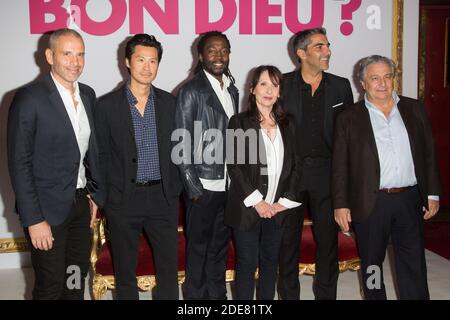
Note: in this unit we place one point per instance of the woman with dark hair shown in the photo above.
(264, 172)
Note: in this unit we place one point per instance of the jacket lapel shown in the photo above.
(60, 109)
(212, 100)
(409, 125)
(297, 97)
(88, 109)
(287, 152)
(124, 111)
(159, 116)
(234, 97)
(366, 130)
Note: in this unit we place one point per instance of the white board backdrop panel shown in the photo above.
(259, 32)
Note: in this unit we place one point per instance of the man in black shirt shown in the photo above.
(314, 98)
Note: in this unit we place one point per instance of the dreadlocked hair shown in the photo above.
(201, 46)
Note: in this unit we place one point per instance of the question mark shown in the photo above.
(347, 12)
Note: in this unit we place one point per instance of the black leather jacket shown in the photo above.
(198, 109)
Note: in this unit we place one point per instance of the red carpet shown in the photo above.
(437, 238)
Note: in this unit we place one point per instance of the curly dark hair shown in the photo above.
(278, 113)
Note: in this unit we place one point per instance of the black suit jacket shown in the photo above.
(247, 177)
(118, 153)
(356, 167)
(338, 95)
(43, 154)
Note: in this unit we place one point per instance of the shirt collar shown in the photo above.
(369, 105)
(213, 80)
(304, 84)
(62, 89)
(132, 100)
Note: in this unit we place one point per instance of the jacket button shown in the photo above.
(133, 181)
(134, 160)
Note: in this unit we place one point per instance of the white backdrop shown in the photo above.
(259, 31)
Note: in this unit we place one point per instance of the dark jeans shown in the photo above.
(60, 272)
(207, 243)
(147, 210)
(397, 216)
(251, 247)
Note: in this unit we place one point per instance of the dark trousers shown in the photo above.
(207, 243)
(60, 272)
(400, 217)
(316, 185)
(262, 245)
(147, 210)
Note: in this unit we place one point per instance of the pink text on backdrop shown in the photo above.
(263, 10)
(168, 18)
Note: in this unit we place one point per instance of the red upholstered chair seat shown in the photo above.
(348, 253)
(103, 276)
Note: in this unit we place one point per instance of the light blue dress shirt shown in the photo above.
(394, 150)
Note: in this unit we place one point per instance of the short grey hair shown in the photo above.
(303, 38)
(62, 32)
(365, 62)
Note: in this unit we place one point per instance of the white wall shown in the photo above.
(22, 56)
(410, 48)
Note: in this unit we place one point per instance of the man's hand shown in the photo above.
(277, 207)
(343, 218)
(93, 209)
(433, 208)
(264, 209)
(41, 235)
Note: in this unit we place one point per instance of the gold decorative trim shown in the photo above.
(422, 53)
(11, 245)
(397, 42)
(101, 284)
(447, 26)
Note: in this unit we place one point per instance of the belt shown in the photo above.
(395, 190)
(148, 183)
(80, 192)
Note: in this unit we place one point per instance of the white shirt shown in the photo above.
(80, 124)
(227, 104)
(394, 150)
(275, 157)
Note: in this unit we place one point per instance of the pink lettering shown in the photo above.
(38, 9)
(291, 10)
(202, 23)
(167, 16)
(245, 17)
(110, 25)
(167, 20)
(263, 11)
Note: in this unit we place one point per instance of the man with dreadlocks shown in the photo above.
(206, 101)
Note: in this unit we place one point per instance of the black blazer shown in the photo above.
(245, 178)
(117, 146)
(43, 154)
(356, 167)
(338, 95)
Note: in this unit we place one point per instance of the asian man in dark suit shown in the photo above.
(135, 124)
(314, 98)
(386, 180)
(53, 165)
